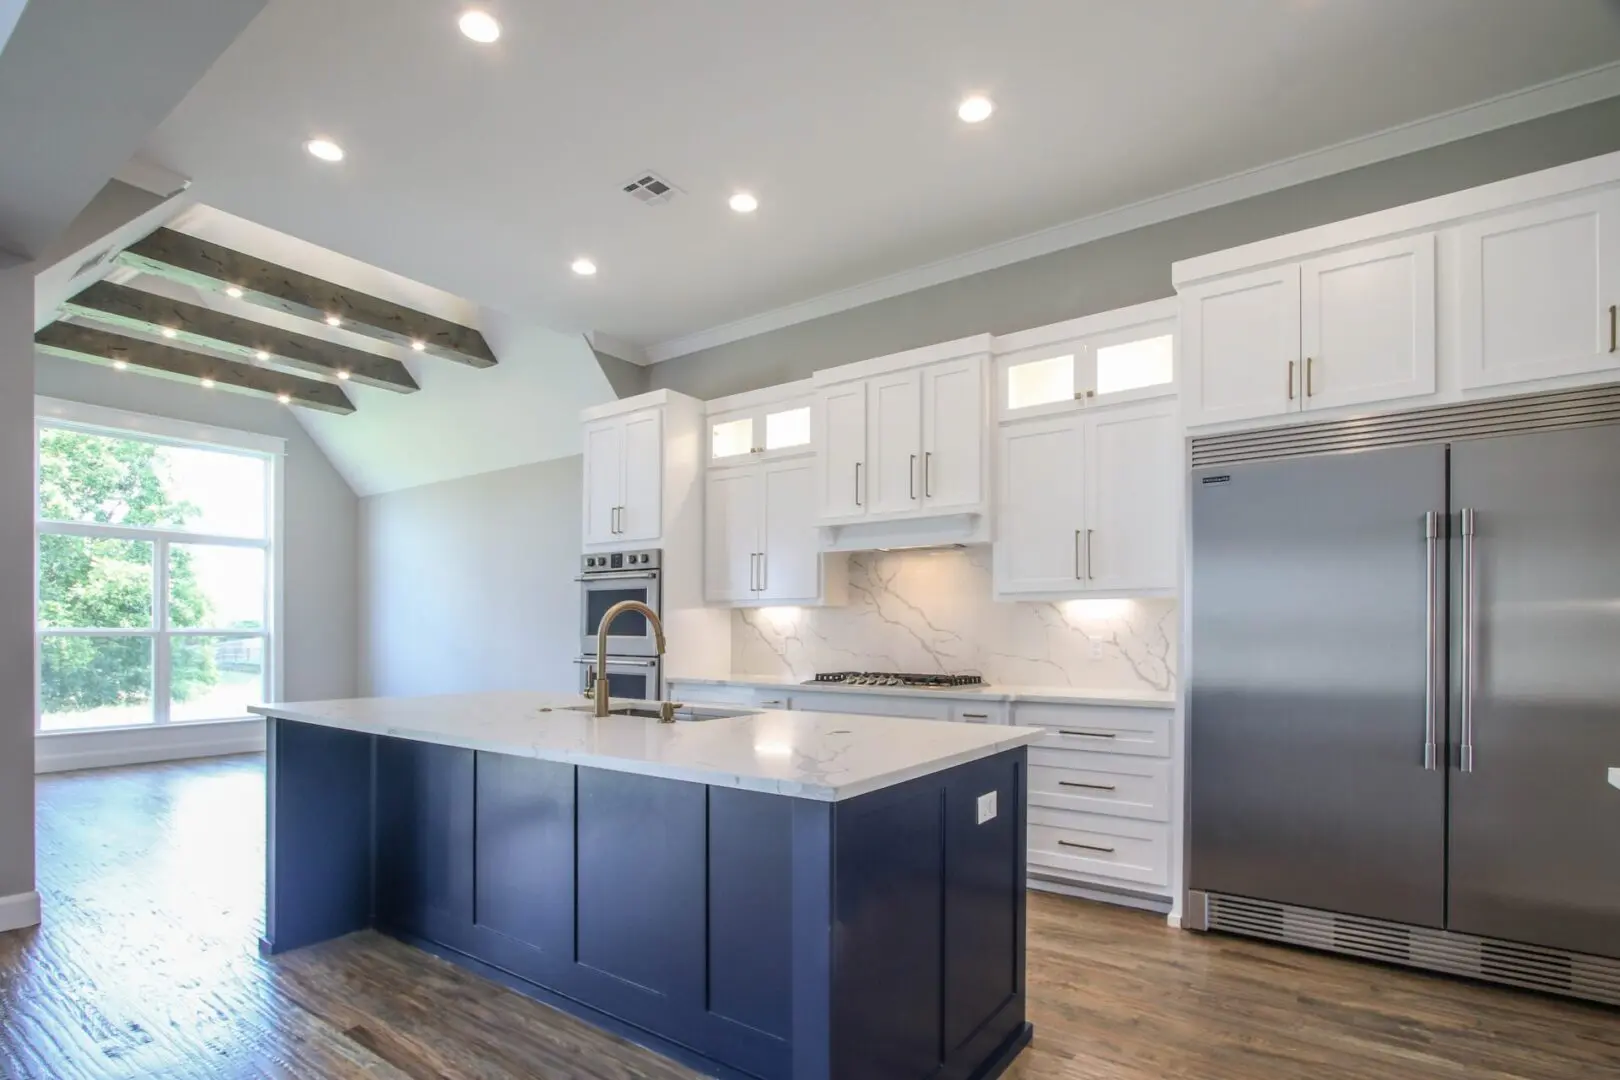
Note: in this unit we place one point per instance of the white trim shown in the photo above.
(956, 349)
(77, 414)
(1569, 92)
(1141, 901)
(19, 911)
(69, 750)
(1153, 312)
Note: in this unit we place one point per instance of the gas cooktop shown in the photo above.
(889, 678)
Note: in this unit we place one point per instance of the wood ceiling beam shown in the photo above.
(109, 349)
(122, 306)
(208, 266)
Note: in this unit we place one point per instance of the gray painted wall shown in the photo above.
(469, 584)
(1132, 267)
(320, 592)
(16, 581)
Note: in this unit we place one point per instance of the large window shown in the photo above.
(157, 570)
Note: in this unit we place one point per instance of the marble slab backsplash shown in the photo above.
(931, 611)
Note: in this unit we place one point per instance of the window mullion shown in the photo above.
(160, 625)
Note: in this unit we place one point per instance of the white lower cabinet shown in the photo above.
(1110, 850)
(1100, 783)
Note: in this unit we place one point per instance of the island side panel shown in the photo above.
(424, 840)
(927, 975)
(318, 834)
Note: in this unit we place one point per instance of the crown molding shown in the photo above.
(1544, 99)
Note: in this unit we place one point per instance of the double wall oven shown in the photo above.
(634, 668)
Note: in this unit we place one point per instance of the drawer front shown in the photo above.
(1111, 784)
(874, 705)
(977, 712)
(1145, 732)
(711, 694)
(1093, 846)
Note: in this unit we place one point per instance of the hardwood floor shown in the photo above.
(146, 967)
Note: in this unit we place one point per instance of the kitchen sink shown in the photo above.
(684, 713)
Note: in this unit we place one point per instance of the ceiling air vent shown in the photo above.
(651, 189)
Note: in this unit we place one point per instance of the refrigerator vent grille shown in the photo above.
(1531, 967)
(1441, 423)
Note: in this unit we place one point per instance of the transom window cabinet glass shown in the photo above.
(1132, 365)
(155, 579)
(733, 437)
(787, 428)
(1040, 382)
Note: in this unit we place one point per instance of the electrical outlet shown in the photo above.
(987, 806)
(1096, 650)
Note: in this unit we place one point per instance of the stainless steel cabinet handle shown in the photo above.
(975, 716)
(1310, 385)
(1290, 380)
(1086, 847)
(753, 572)
(1431, 663)
(857, 483)
(1089, 734)
(1089, 575)
(911, 475)
(928, 475)
(1093, 787)
(1078, 576)
(764, 572)
(1614, 327)
(772, 704)
(1469, 633)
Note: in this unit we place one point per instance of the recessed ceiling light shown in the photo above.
(344, 375)
(419, 345)
(333, 320)
(169, 332)
(234, 292)
(285, 399)
(208, 384)
(584, 267)
(480, 26)
(261, 356)
(325, 149)
(120, 364)
(975, 109)
(744, 203)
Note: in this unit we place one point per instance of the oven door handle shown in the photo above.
(614, 661)
(626, 575)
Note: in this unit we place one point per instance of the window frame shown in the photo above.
(164, 431)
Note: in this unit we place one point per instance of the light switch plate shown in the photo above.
(987, 806)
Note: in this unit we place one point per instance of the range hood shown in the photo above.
(936, 531)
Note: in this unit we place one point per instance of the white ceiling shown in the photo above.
(483, 171)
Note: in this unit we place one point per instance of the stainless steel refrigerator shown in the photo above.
(1404, 694)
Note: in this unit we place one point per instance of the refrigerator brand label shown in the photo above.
(1224, 478)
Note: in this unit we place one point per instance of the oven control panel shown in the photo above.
(623, 560)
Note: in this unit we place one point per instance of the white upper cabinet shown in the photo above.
(904, 436)
(624, 477)
(1349, 328)
(771, 423)
(1088, 503)
(760, 536)
(1367, 323)
(1113, 356)
(1539, 292)
(731, 537)
(1240, 344)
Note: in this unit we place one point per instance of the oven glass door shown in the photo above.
(631, 633)
(628, 677)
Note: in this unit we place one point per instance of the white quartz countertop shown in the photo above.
(1060, 695)
(807, 755)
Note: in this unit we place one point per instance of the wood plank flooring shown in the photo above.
(147, 967)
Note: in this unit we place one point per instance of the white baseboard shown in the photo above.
(1174, 920)
(139, 746)
(19, 911)
(1119, 897)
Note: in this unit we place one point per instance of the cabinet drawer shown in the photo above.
(1090, 845)
(1108, 729)
(977, 712)
(1111, 784)
(712, 694)
(904, 705)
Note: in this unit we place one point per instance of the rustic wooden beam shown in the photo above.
(120, 305)
(112, 350)
(204, 265)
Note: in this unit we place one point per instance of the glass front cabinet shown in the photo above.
(743, 429)
(1116, 356)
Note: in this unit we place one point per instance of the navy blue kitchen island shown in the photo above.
(745, 932)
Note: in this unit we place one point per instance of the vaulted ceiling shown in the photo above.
(485, 170)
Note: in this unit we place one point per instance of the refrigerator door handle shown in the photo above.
(1432, 665)
(1469, 658)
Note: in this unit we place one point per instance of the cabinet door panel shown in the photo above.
(1368, 323)
(1133, 483)
(643, 502)
(1537, 286)
(894, 439)
(731, 534)
(841, 420)
(604, 479)
(1242, 334)
(952, 471)
(792, 564)
(425, 800)
(1040, 520)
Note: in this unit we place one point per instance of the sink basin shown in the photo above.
(686, 713)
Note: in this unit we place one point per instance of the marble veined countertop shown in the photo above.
(1059, 695)
(807, 755)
